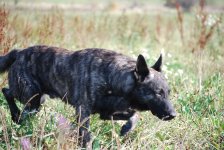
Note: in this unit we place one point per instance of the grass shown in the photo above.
(194, 60)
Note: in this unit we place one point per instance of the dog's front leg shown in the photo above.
(83, 115)
(130, 124)
(131, 116)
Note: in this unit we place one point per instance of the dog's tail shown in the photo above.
(7, 60)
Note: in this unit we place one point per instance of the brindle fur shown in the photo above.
(91, 80)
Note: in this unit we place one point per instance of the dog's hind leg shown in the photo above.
(83, 115)
(14, 110)
(29, 93)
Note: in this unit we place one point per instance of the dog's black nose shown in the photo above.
(172, 115)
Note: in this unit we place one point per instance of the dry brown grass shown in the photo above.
(4, 40)
(204, 27)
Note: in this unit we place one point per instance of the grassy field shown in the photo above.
(193, 47)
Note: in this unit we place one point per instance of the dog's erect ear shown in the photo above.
(141, 70)
(158, 64)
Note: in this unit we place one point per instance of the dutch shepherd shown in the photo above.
(92, 80)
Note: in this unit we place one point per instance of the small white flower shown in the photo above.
(211, 20)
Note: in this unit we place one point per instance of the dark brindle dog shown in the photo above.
(91, 80)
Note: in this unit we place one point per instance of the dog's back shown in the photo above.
(69, 75)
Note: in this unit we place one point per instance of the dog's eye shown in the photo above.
(160, 93)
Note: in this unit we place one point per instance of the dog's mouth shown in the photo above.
(165, 117)
(168, 117)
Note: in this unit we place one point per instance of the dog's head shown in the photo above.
(152, 90)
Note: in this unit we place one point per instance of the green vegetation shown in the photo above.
(194, 58)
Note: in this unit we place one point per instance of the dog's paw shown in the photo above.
(126, 128)
(130, 125)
